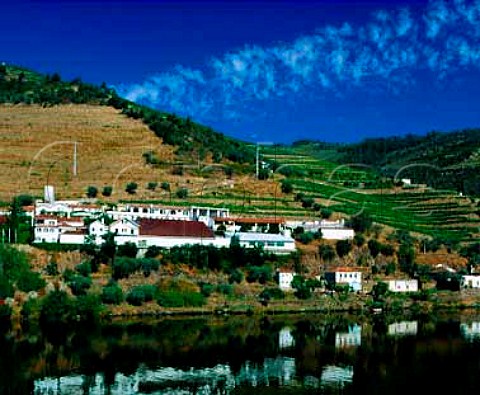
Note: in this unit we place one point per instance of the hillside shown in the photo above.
(191, 140)
(441, 160)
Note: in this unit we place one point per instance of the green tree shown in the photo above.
(128, 249)
(182, 193)
(326, 252)
(107, 191)
(343, 247)
(131, 188)
(361, 223)
(92, 191)
(152, 185)
(286, 186)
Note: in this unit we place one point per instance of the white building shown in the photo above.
(278, 244)
(285, 279)
(345, 276)
(470, 281)
(403, 285)
(49, 229)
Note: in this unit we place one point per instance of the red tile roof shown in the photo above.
(3, 219)
(160, 227)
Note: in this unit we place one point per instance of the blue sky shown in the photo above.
(275, 71)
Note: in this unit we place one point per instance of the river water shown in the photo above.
(296, 354)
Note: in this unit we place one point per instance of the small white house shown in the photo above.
(345, 276)
(285, 279)
(278, 244)
(470, 281)
(403, 285)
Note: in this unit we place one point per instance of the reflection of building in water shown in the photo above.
(471, 330)
(352, 338)
(403, 328)
(280, 370)
(163, 380)
(285, 338)
(336, 376)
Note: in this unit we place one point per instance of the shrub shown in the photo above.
(140, 294)
(225, 289)
(128, 249)
(152, 252)
(152, 185)
(112, 294)
(165, 186)
(207, 289)
(180, 299)
(107, 191)
(92, 191)
(87, 307)
(52, 268)
(182, 193)
(56, 307)
(343, 247)
(131, 188)
(260, 274)
(287, 186)
(326, 252)
(79, 285)
(84, 268)
(236, 276)
(272, 293)
(30, 281)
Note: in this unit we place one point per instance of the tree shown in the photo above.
(92, 191)
(406, 258)
(108, 248)
(326, 252)
(165, 186)
(182, 193)
(287, 186)
(374, 247)
(128, 249)
(343, 247)
(107, 191)
(131, 188)
(361, 222)
(152, 185)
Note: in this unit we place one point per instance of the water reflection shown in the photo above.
(403, 328)
(333, 354)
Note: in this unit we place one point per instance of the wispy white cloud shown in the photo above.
(388, 50)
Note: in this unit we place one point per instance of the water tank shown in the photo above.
(49, 194)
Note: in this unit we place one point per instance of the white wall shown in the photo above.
(72, 238)
(337, 233)
(403, 285)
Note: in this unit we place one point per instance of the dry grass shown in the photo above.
(36, 147)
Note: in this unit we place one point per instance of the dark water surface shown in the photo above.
(297, 354)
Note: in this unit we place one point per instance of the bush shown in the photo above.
(87, 307)
(30, 281)
(153, 252)
(180, 299)
(56, 307)
(343, 247)
(326, 252)
(225, 289)
(140, 294)
(79, 285)
(272, 293)
(128, 249)
(6, 289)
(84, 268)
(151, 186)
(92, 191)
(182, 193)
(236, 276)
(260, 274)
(131, 188)
(287, 186)
(207, 289)
(165, 186)
(112, 294)
(107, 191)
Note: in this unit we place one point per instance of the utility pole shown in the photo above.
(75, 159)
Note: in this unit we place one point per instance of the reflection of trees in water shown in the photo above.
(206, 343)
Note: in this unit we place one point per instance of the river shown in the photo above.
(295, 354)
